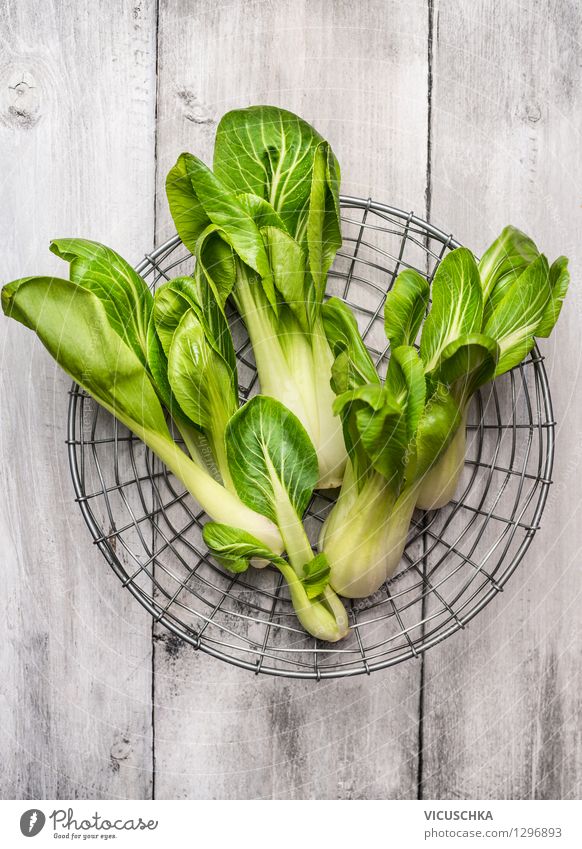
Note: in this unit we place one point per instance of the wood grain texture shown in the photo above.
(502, 699)
(221, 732)
(77, 111)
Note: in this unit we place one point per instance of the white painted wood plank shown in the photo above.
(77, 108)
(502, 700)
(359, 73)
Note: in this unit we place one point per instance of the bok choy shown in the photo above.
(100, 327)
(274, 468)
(515, 297)
(394, 433)
(406, 438)
(264, 226)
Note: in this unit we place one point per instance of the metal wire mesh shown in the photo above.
(456, 560)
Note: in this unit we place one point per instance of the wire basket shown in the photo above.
(456, 559)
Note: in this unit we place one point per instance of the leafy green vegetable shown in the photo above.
(522, 299)
(235, 548)
(273, 466)
(379, 428)
(229, 216)
(170, 305)
(215, 260)
(324, 237)
(128, 304)
(457, 305)
(405, 307)
(268, 152)
(272, 462)
(130, 307)
(316, 605)
(394, 434)
(436, 428)
(288, 263)
(406, 381)
(406, 438)
(73, 324)
(194, 439)
(124, 294)
(315, 576)
(352, 366)
(467, 363)
(174, 297)
(502, 263)
(514, 321)
(440, 482)
(188, 213)
(203, 384)
(272, 203)
(559, 282)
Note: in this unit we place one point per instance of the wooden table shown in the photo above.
(467, 112)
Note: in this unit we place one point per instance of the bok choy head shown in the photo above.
(483, 321)
(100, 327)
(274, 469)
(264, 226)
(394, 433)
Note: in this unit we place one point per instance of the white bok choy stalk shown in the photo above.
(264, 226)
(274, 468)
(99, 326)
(394, 433)
(520, 299)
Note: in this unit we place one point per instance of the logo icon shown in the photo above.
(32, 822)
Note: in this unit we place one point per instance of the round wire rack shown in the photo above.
(456, 559)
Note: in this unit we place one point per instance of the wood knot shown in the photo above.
(530, 112)
(192, 109)
(20, 107)
(533, 112)
(121, 749)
